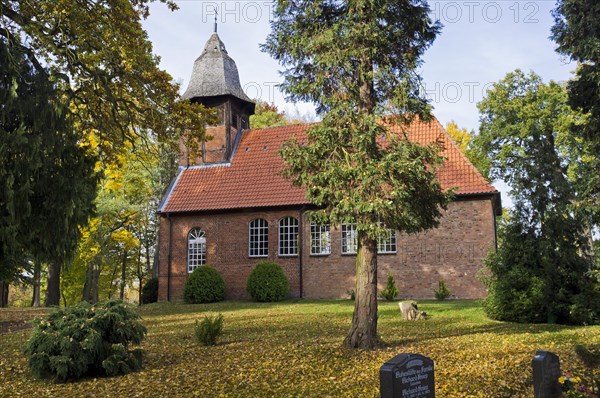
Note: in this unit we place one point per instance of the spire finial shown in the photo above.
(216, 19)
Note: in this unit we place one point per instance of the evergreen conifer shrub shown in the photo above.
(390, 292)
(529, 286)
(86, 340)
(267, 282)
(442, 292)
(204, 285)
(150, 291)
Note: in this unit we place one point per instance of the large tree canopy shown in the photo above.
(577, 33)
(541, 271)
(102, 62)
(356, 61)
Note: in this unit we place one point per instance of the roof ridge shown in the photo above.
(294, 125)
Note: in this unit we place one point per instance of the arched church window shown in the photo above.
(196, 249)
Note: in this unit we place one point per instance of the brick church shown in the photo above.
(232, 209)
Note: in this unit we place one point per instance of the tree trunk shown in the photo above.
(141, 274)
(3, 294)
(86, 295)
(95, 280)
(37, 276)
(363, 332)
(588, 246)
(53, 290)
(123, 275)
(90, 288)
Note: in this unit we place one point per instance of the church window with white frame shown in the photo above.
(258, 238)
(349, 241)
(288, 236)
(320, 239)
(196, 249)
(386, 244)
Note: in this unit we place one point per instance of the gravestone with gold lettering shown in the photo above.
(407, 376)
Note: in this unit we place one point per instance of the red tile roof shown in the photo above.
(253, 178)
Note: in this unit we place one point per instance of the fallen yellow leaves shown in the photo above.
(293, 349)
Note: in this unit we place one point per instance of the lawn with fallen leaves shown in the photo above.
(293, 349)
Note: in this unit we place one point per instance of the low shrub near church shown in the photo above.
(150, 291)
(391, 291)
(442, 292)
(267, 282)
(204, 285)
(209, 329)
(86, 340)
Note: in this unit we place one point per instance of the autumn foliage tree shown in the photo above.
(267, 115)
(356, 61)
(100, 63)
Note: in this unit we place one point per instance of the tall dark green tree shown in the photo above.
(356, 60)
(48, 180)
(577, 33)
(540, 272)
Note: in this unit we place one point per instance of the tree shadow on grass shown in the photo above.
(419, 331)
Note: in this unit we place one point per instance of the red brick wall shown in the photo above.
(227, 250)
(454, 252)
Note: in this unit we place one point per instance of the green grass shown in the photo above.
(293, 349)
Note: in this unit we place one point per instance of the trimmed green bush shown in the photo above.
(390, 292)
(204, 285)
(86, 340)
(442, 292)
(150, 291)
(267, 282)
(209, 329)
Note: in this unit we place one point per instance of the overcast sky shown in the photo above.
(480, 42)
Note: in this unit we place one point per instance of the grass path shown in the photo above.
(292, 349)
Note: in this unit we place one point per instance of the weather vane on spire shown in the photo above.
(216, 12)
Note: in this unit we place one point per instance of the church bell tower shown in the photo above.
(215, 83)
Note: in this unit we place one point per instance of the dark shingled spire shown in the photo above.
(215, 74)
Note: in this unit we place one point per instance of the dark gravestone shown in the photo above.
(546, 371)
(407, 376)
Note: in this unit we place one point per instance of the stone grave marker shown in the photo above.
(546, 371)
(407, 376)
